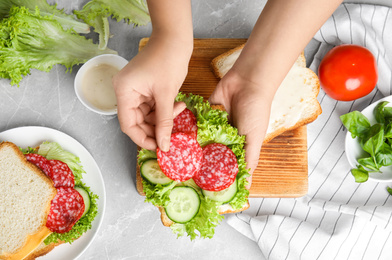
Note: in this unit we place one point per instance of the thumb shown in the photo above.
(164, 121)
(252, 155)
(216, 96)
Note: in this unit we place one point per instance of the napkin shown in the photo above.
(338, 218)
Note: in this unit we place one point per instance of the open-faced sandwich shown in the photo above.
(204, 173)
(202, 176)
(43, 200)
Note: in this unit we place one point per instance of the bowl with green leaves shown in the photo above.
(368, 143)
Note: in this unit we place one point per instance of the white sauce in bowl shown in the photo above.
(97, 86)
(93, 83)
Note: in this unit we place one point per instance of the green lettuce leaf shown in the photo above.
(145, 155)
(66, 20)
(158, 194)
(96, 13)
(34, 41)
(213, 127)
(53, 151)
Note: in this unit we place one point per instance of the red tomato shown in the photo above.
(348, 72)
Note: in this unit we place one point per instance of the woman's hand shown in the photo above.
(280, 34)
(146, 88)
(248, 105)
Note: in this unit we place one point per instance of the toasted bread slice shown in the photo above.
(25, 197)
(295, 102)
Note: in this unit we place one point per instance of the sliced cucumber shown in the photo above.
(86, 199)
(184, 204)
(151, 171)
(224, 196)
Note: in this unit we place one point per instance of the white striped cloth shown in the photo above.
(339, 218)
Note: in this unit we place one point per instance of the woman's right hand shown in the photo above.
(146, 89)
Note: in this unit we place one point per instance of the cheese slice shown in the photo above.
(32, 242)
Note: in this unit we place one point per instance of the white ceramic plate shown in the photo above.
(354, 150)
(33, 136)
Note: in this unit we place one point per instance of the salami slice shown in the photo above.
(183, 159)
(219, 168)
(66, 209)
(40, 161)
(61, 174)
(185, 122)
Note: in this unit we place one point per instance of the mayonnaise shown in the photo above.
(97, 86)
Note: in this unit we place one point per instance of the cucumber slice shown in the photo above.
(224, 196)
(151, 171)
(86, 199)
(184, 204)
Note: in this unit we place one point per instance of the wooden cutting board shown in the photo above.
(283, 165)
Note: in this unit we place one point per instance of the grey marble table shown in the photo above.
(131, 228)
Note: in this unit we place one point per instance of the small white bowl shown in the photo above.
(109, 59)
(355, 152)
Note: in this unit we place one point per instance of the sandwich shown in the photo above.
(295, 102)
(43, 200)
(202, 176)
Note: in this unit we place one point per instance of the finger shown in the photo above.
(148, 129)
(252, 155)
(164, 121)
(140, 138)
(252, 152)
(132, 124)
(145, 108)
(254, 127)
(178, 108)
(150, 118)
(218, 98)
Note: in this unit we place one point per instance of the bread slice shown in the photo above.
(41, 250)
(295, 102)
(166, 221)
(25, 197)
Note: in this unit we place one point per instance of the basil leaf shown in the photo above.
(389, 190)
(388, 131)
(356, 123)
(388, 115)
(369, 163)
(373, 140)
(379, 112)
(384, 156)
(360, 174)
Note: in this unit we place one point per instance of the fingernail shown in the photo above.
(165, 144)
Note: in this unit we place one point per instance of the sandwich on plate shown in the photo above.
(43, 200)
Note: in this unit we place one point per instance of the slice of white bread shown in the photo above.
(25, 197)
(166, 221)
(295, 102)
(41, 250)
